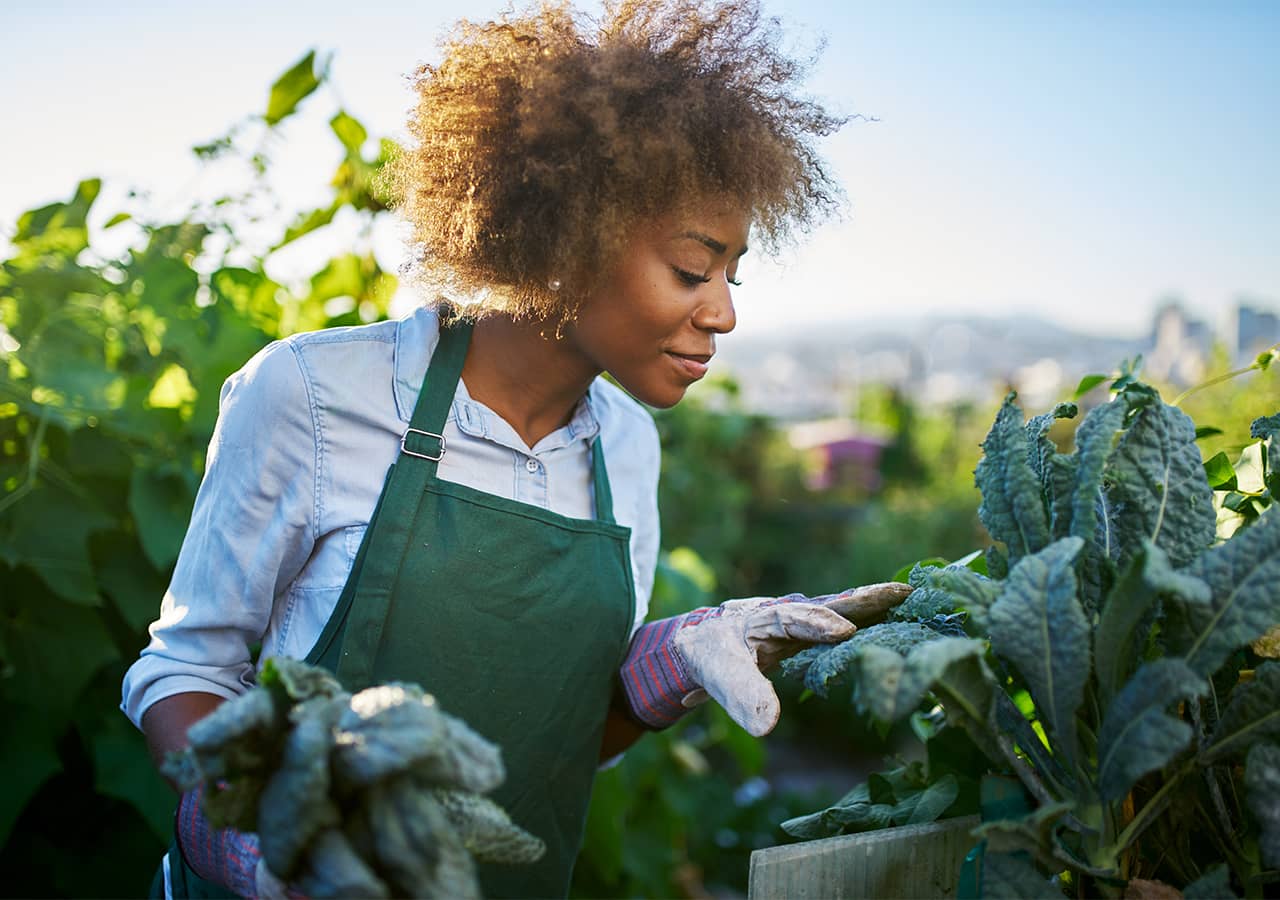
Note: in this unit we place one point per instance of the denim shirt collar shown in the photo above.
(417, 336)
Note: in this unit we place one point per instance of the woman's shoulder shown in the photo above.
(341, 354)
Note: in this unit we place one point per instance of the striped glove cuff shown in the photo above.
(221, 855)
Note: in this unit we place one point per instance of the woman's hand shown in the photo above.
(720, 651)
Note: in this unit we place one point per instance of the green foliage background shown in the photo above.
(110, 368)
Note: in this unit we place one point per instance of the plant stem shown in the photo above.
(1221, 378)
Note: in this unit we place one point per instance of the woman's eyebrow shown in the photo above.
(710, 242)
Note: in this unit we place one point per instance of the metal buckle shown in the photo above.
(405, 450)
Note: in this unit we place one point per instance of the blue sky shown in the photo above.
(1077, 161)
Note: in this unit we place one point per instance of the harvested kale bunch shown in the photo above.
(376, 794)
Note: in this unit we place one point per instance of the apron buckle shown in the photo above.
(405, 450)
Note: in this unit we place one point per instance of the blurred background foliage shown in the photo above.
(110, 367)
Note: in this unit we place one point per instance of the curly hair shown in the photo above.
(542, 138)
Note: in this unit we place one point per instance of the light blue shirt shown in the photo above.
(305, 433)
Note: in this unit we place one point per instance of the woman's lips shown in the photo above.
(694, 366)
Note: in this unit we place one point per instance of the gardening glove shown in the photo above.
(675, 663)
(269, 887)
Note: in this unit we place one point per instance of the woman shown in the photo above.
(594, 193)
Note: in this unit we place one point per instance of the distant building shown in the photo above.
(1180, 347)
(843, 455)
(1250, 331)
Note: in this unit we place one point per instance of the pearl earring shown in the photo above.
(554, 284)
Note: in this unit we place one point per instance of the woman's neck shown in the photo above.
(524, 374)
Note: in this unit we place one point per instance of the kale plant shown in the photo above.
(378, 794)
(1119, 657)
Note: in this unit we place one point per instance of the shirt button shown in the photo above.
(531, 464)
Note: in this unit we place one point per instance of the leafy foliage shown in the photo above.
(1123, 620)
(378, 794)
(110, 369)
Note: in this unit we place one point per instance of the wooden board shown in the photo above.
(914, 861)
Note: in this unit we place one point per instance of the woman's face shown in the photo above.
(653, 322)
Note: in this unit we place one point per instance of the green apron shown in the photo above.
(516, 618)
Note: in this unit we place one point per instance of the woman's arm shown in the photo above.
(166, 721)
(621, 730)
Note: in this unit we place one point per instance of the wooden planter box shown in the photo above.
(914, 861)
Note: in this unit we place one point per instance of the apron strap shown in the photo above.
(421, 449)
(600, 478)
(424, 441)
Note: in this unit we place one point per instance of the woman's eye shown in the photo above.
(690, 278)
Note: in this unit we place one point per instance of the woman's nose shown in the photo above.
(716, 312)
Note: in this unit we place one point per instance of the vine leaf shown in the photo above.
(1039, 626)
(292, 87)
(1138, 735)
(1243, 575)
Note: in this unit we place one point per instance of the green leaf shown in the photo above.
(828, 663)
(65, 223)
(349, 131)
(1056, 471)
(954, 587)
(1262, 780)
(48, 531)
(1250, 470)
(160, 502)
(1039, 626)
(1205, 431)
(903, 575)
(1012, 508)
(1009, 719)
(1157, 489)
(892, 687)
(1148, 577)
(967, 690)
(1088, 383)
(292, 88)
(1265, 428)
(134, 587)
(1251, 715)
(1138, 735)
(1212, 885)
(1220, 473)
(1242, 574)
(344, 276)
(1081, 511)
(27, 759)
(308, 222)
(54, 648)
(116, 220)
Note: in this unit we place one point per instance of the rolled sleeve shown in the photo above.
(251, 531)
(646, 536)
